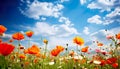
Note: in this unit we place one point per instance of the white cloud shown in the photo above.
(82, 2)
(6, 36)
(101, 34)
(43, 18)
(37, 9)
(65, 20)
(62, 30)
(103, 5)
(109, 18)
(53, 41)
(114, 15)
(86, 30)
(95, 19)
(63, 1)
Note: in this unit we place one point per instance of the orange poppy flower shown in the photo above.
(60, 48)
(55, 52)
(38, 55)
(2, 29)
(78, 40)
(118, 36)
(33, 50)
(18, 36)
(11, 40)
(71, 53)
(6, 49)
(45, 41)
(25, 51)
(99, 44)
(85, 49)
(35, 60)
(22, 56)
(115, 65)
(0, 40)
(29, 33)
(26, 63)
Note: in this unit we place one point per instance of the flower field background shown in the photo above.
(18, 57)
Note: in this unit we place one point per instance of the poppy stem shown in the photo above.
(18, 46)
(77, 50)
(45, 49)
(29, 42)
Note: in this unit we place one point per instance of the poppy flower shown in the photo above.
(78, 40)
(55, 52)
(33, 50)
(0, 40)
(118, 36)
(103, 62)
(115, 65)
(21, 47)
(45, 41)
(18, 36)
(111, 60)
(25, 51)
(60, 48)
(85, 49)
(71, 53)
(109, 37)
(29, 33)
(6, 49)
(99, 44)
(22, 56)
(2, 29)
(11, 40)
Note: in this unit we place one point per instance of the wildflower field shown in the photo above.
(18, 57)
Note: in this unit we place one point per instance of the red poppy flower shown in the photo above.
(115, 65)
(0, 40)
(85, 49)
(2, 29)
(11, 40)
(118, 36)
(103, 62)
(29, 33)
(6, 49)
(111, 60)
(18, 36)
(55, 52)
(22, 56)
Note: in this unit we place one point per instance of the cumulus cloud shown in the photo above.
(86, 30)
(101, 34)
(82, 2)
(63, 1)
(109, 18)
(95, 19)
(37, 9)
(113, 11)
(103, 5)
(62, 30)
(6, 36)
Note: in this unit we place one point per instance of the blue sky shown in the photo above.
(60, 20)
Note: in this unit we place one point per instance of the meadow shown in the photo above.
(18, 57)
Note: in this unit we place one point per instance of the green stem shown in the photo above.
(77, 50)
(45, 49)
(29, 42)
